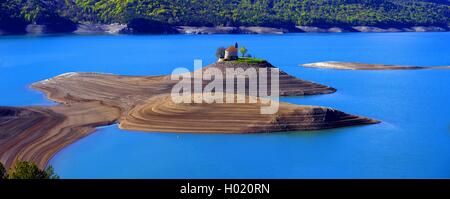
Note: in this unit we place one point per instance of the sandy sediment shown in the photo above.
(365, 66)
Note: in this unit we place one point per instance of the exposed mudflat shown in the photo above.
(365, 66)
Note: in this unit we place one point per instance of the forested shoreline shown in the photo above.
(64, 15)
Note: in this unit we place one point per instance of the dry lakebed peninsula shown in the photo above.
(143, 103)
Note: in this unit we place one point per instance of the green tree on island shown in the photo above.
(243, 51)
(27, 170)
(220, 52)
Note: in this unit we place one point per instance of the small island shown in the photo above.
(365, 66)
(143, 103)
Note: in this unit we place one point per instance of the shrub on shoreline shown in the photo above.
(27, 170)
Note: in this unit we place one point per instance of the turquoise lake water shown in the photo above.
(413, 141)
